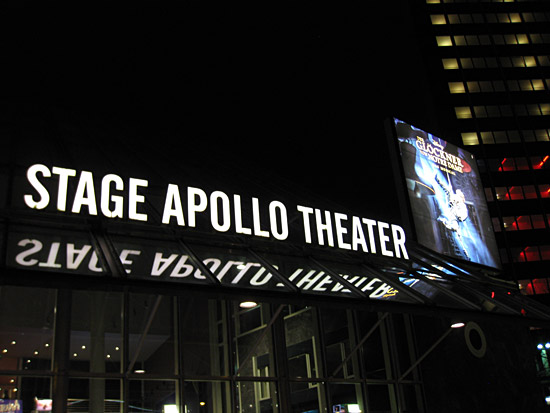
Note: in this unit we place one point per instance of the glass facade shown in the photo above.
(120, 351)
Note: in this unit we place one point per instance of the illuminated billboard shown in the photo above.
(446, 197)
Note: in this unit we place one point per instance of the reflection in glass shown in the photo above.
(336, 339)
(204, 337)
(25, 391)
(96, 331)
(346, 398)
(151, 338)
(94, 395)
(26, 328)
(307, 397)
(206, 397)
(151, 395)
(256, 396)
(302, 343)
(253, 342)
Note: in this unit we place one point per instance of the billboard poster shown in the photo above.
(446, 197)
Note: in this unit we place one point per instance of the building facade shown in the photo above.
(492, 59)
(152, 260)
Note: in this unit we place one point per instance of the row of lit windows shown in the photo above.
(478, 18)
(519, 163)
(534, 286)
(493, 62)
(511, 136)
(528, 254)
(517, 192)
(497, 111)
(488, 40)
(520, 223)
(489, 86)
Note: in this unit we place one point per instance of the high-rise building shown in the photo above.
(490, 66)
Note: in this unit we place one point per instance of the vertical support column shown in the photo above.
(62, 339)
(279, 348)
(125, 385)
(97, 350)
(353, 342)
(386, 338)
(178, 351)
(411, 341)
(320, 360)
(231, 355)
(218, 343)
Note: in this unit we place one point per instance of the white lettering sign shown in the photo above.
(115, 198)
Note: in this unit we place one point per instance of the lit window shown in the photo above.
(466, 63)
(533, 110)
(525, 287)
(515, 193)
(470, 138)
(538, 221)
(531, 254)
(460, 40)
(540, 286)
(545, 252)
(502, 193)
(438, 19)
(515, 18)
(535, 38)
(544, 190)
(521, 164)
(530, 61)
(528, 17)
(500, 137)
(529, 192)
(487, 137)
(509, 223)
(507, 164)
(456, 87)
(539, 162)
(524, 222)
(444, 41)
(433, 1)
(518, 255)
(463, 112)
(450, 64)
(503, 18)
(542, 135)
(545, 108)
(473, 87)
(521, 39)
(453, 19)
(538, 84)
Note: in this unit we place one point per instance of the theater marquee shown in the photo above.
(113, 197)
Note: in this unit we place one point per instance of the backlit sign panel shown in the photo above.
(446, 197)
(69, 191)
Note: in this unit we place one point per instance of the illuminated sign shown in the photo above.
(69, 191)
(446, 197)
(11, 406)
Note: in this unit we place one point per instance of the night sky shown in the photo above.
(298, 93)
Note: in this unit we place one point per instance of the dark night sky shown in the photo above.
(300, 92)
